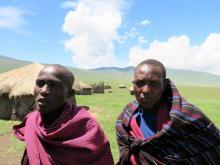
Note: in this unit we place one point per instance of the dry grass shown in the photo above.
(19, 81)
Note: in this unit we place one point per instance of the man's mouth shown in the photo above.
(43, 101)
(145, 99)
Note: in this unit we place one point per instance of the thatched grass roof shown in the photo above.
(81, 85)
(19, 81)
(122, 86)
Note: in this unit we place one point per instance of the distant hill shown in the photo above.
(126, 69)
(123, 75)
(7, 63)
(180, 77)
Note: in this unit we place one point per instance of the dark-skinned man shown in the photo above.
(58, 132)
(160, 127)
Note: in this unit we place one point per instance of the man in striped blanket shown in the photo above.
(58, 132)
(160, 127)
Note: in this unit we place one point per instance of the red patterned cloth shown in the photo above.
(185, 136)
(74, 138)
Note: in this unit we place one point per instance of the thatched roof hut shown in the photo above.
(19, 81)
(131, 89)
(122, 86)
(16, 91)
(98, 88)
(81, 88)
(107, 86)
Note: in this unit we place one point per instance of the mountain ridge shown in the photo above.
(123, 75)
(128, 68)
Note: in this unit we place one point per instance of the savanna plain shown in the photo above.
(106, 107)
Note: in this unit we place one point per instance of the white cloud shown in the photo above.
(68, 4)
(177, 53)
(142, 40)
(145, 22)
(93, 29)
(12, 18)
(131, 33)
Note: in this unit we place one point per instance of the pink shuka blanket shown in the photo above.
(74, 138)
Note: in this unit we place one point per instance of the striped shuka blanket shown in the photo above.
(74, 138)
(186, 136)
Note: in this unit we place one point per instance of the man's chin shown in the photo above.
(41, 108)
(146, 103)
(147, 106)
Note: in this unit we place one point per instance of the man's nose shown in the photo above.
(146, 89)
(45, 89)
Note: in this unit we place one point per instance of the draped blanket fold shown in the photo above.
(74, 138)
(187, 136)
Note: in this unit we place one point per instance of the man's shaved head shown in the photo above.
(61, 72)
(153, 63)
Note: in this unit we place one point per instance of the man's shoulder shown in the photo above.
(83, 113)
(86, 119)
(128, 112)
(131, 107)
(32, 114)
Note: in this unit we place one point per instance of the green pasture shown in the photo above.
(106, 107)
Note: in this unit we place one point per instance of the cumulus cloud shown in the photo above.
(68, 4)
(12, 18)
(134, 32)
(145, 22)
(93, 29)
(142, 40)
(130, 34)
(178, 53)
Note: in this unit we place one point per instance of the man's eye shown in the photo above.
(139, 83)
(154, 84)
(40, 83)
(53, 84)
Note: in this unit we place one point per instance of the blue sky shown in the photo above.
(93, 33)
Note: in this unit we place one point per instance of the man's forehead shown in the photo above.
(53, 69)
(44, 76)
(147, 69)
(143, 68)
(51, 72)
(49, 69)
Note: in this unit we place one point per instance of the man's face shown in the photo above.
(148, 85)
(50, 91)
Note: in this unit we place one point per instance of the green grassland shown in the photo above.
(7, 64)
(106, 107)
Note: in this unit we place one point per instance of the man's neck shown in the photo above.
(151, 111)
(49, 118)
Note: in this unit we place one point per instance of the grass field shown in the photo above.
(106, 107)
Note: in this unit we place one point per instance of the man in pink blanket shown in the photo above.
(58, 132)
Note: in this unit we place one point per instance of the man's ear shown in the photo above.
(71, 93)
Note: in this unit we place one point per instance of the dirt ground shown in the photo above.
(9, 155)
